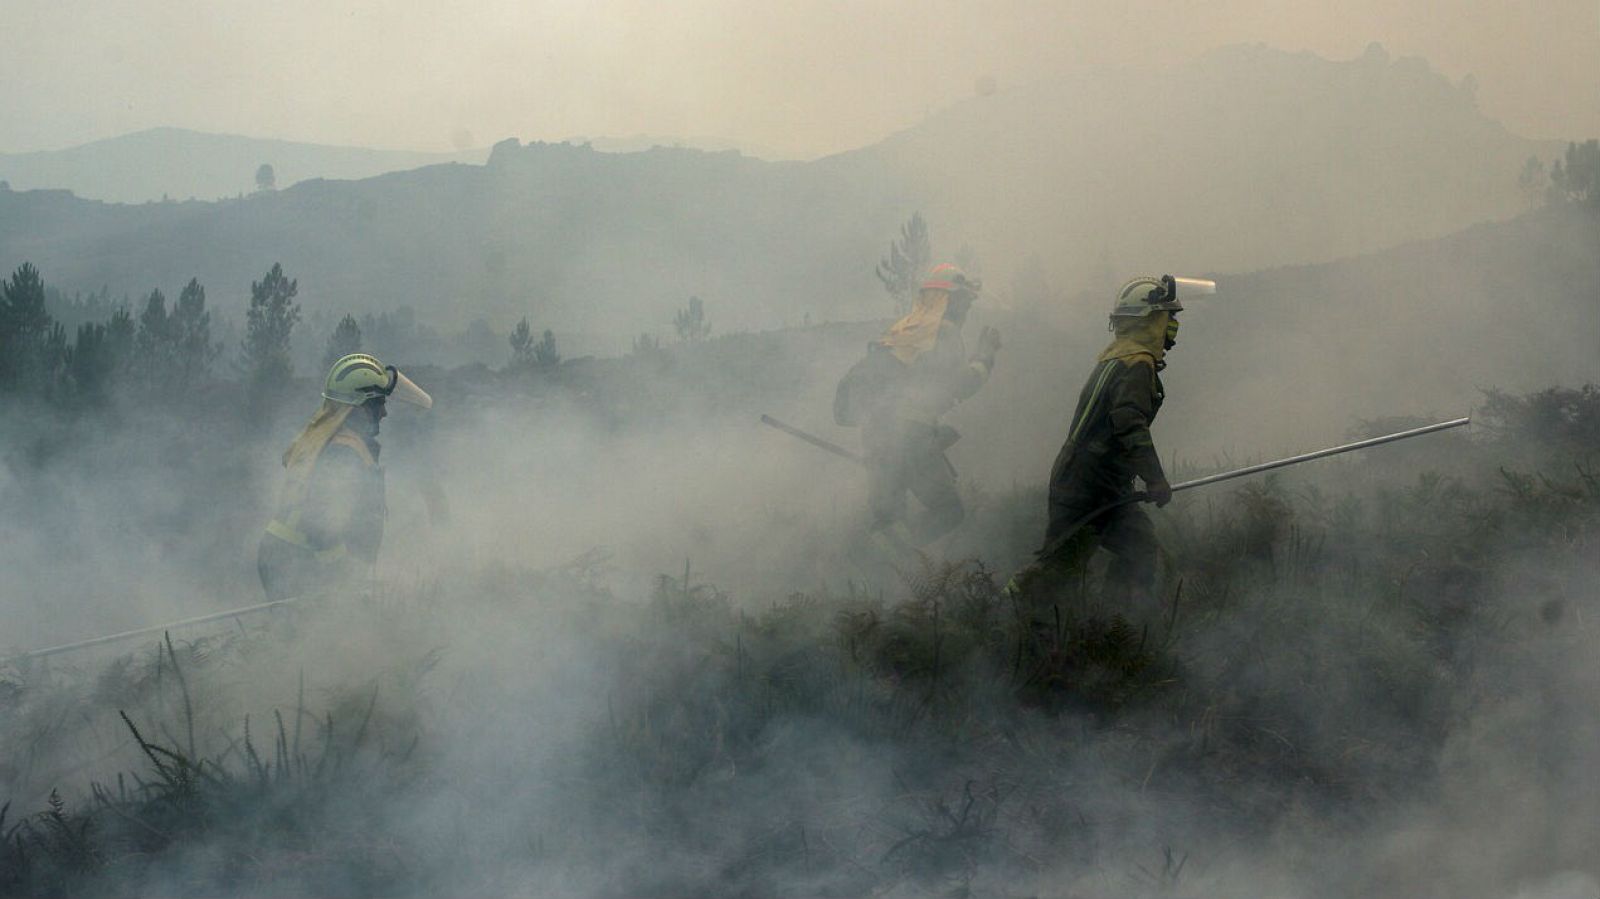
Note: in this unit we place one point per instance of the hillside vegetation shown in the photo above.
(1339, 666)
(1245, 158)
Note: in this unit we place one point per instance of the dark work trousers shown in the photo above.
(912, 459)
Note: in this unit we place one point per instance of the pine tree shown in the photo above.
(521, 346)
(269, 325)
(545, 355)
(92, 361)
(692, 324)
(901, 271)
(190, 326)
(22, 309)
(1578, 180)
(154, 359)
(52, 358)
(28, 342)
(345, 339)
(120, 333)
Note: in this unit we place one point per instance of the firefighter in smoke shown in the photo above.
(911, 376)
(1108, 445)
(329, 519)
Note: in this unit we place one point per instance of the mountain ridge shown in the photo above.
(182, 163)
(1245, 159)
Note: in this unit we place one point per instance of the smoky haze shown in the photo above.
(621, 639)
(1244, 158)
(805, 80)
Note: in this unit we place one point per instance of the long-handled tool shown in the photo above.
(1140, 496)
(812, 439)
(154, 629)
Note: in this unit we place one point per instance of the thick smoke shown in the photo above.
(620, 640)
(545, 719)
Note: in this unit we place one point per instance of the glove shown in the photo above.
(1160, 492)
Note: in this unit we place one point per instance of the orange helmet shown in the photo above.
(947, 276)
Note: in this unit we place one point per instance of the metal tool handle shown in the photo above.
(1321, 454)
(1141, 496)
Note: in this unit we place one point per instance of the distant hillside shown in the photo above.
(1418, 329)
(1246, 159)
(636, 143)
(179, 164)
(1278, 361)
(1291, 357)
(577, 239)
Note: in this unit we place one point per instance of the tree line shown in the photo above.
(1573, 178)
(156, 349)
(164, 351)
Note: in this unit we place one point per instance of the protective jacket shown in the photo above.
(330, 513)
(937, 375)
(902, 438)
(1108, 441)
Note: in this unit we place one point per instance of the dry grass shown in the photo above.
(1312, 651)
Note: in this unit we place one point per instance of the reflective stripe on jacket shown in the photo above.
(326, 515)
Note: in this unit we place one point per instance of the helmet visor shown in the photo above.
(1194, 286)
(401, 389)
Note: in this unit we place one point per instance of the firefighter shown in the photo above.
(1108, 445)
(911, 376)
(328, 523)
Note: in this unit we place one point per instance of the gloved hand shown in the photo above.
(1160, 492)
(988, 345)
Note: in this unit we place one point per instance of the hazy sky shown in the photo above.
(801, 78)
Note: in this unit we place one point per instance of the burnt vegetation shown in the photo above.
(1315, 649)
(1323, 640)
